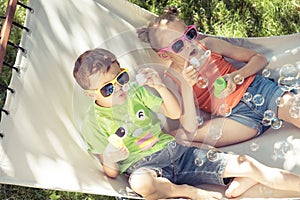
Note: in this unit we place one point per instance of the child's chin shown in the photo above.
(120, 100)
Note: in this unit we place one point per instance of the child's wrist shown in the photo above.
(160, 86)
(109, 162)
(235, 77)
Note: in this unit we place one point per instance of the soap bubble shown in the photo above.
(273, 59)
(280, 102)
(294, 112)
(288, 70)
(266, 122)
(281, 148)
(298, 65)
(130, 88)
(202, 82)
(247, 96)
(215, 132)
(276, 123)
(254, 146)
(200, 120)
(213, 155)
(294, 51)
(297, 83)
(207, 53)
(238, 79)
(258, 100)
(125, 87)
(225, 110)
(199, 162)
(269, 114)
(285, 88)
(197, 63)
(140, 78)
(289, 83)
(296, 103)
(266, 191)
(266, 72)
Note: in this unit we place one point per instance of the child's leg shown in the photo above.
(239, 186)
(284, 112)
(146, 183)
(247, 167)
(217, 132)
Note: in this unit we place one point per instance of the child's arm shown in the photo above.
(110, 158)
(170, 106)
(253, 59)
(189, 113)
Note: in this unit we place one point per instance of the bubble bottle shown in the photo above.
(219, 85)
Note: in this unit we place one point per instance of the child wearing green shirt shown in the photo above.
(121, 130)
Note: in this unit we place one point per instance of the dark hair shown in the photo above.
(92, 62)
(170, 14)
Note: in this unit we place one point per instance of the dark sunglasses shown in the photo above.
(191, 33)
(108, 89)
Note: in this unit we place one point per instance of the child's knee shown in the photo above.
(243, 159)
(246, 160)
(142, 181)
(242, 165)
(250, 165)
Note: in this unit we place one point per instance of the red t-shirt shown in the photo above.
(214, 67)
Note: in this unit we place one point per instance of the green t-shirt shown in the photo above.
(143, 135)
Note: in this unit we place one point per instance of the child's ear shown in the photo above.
(90, 94)
(163, 55)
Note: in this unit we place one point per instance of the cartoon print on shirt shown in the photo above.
(144, 138)
(146, 141)
(116, 139)
(121, 132)
(137, 132)
(140, 114)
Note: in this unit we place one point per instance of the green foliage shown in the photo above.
(233, 18)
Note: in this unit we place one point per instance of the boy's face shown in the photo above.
(99, 80)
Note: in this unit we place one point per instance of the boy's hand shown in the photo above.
(190, 74)
(152, 78)
(114, 154)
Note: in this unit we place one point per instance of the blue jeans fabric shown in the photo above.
(251, 115)
(186, 165)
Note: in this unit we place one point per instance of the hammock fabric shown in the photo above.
(42, 146)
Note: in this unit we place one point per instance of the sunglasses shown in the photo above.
(191, 33)
(108, 89)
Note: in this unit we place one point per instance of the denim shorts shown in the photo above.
(251, 114)
(186, 165)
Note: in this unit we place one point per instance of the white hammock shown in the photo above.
(42, 146)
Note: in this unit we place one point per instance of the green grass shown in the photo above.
(233, 18)
(9, 192)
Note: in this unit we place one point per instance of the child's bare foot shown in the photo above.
(238, 186)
